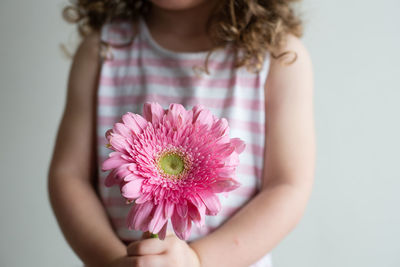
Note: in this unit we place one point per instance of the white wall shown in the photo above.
(353, 217)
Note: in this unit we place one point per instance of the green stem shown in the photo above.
(153, 235)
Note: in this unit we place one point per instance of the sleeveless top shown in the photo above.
(137, 70)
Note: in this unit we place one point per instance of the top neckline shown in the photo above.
(147, 34)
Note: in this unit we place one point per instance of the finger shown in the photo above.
(123, 262)
(150, 261)
(150, 246)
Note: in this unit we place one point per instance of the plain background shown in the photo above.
(353, 216)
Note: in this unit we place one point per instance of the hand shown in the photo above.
(124, 261)
(170, 252)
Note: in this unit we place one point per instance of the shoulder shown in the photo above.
(287, 76)
(84, 70)
(89, 47)
(295, 59)
(87, 56)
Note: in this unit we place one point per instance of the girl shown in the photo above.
(241, 59)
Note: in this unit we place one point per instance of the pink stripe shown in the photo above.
(188, 100)
(168, 63)
(183, 81)
(249, 170)
(252, 126)
(256, 149)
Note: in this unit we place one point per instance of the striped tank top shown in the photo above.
(137, 69)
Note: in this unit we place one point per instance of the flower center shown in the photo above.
(173, 163)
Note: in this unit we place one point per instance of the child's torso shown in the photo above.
(144, 71)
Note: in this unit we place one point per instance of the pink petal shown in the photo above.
(199, 204)
(222, 139)
(182, 209)
(132, 167)
(224, 150)
(220, 127)
(226, 171)
(204, 117)
(239, 145)
(224, 185)
(111, 179)
(202, 211)
(185, 233)
(211, 201)
(122, 171)
(119, 143)
(194, 214)
(188, 118)
(131, 190)
(121, 129)
(131, 217)
(131, 177)
(117, 175)
(113, 161)
(178, 223)
(169, 209)
(141, 215)
(158, 220)
(196, 110)
(153, 112)
(144, 198)
(176, 114)
(135, 122)
(232, 159)
(163, 232)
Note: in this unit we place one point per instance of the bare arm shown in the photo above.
(74, 201)
(288, 173)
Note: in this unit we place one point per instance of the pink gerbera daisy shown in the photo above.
(172, 163)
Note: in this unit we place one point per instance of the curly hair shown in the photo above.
(253, 26)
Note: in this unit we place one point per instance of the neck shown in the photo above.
(182, 23)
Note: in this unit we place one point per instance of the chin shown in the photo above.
(177, 4)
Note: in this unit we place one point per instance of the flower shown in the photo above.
(171, 163)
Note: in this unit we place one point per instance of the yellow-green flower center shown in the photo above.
(171, 163)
